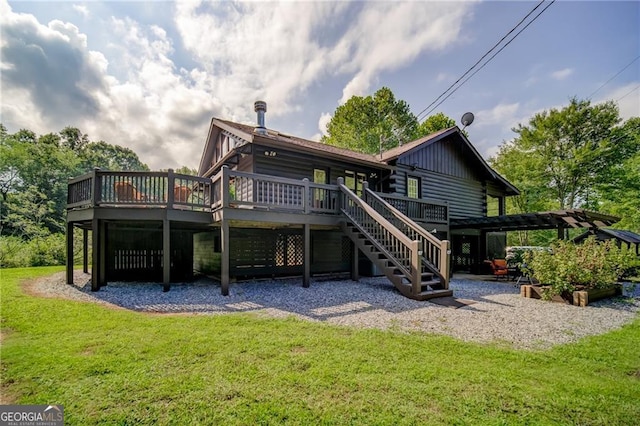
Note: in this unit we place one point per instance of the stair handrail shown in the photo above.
(441, 246)
(413, 246)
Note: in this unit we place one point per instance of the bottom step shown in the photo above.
(430, 294)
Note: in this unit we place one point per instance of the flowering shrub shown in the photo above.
(591, 264)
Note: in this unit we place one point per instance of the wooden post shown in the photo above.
(85, 251)
(365, 186)
(307, 255)
(445, 260)
(561, 233)
(96, 191)
(225, 187)
(95, 255)
(171, 184)
(69, 253)
(224, 270)
(416, 268)
(355, 267)
(166, 253)
(306, 198)
(102, 280)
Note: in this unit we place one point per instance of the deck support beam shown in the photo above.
(102, 276)
(70, 253)
(166, 254)
(95, 255)
(85, 250)
(355, 268)
(224, 267)
(306, 279)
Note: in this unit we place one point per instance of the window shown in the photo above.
(493, 206)
(413, 187)
(319, 176)
(354, 181)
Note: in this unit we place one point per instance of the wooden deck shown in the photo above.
(167, 201)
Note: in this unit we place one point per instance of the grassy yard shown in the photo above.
(119, 367)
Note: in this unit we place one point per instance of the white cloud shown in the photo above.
(627, 97)
(562, 74)
(134, 94)
(325, 118)
(502, 114)
(81, 9)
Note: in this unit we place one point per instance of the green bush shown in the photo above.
(47, 250)
(591, 264)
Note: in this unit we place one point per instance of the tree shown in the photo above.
(371, 124)
(435, 123)
(563, 153)
(110, 157)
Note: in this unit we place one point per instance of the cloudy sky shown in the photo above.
(150, 75)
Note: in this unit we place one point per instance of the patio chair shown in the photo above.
(499, 268)
(181, 194)
(127, 192)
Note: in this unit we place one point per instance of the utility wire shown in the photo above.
(488, 60)
(480, 60)
(617, 74)
(628, 93)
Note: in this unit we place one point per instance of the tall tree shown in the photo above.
(372, 123)
(569, 150)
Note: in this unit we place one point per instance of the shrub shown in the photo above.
(591, 264)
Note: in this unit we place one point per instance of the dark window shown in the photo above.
(413, 187)
(354, 181)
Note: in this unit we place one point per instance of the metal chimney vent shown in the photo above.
(261, 108)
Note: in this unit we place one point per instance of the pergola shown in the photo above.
(560, 220)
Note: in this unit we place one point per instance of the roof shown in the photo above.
(575, 218)
(277, 137)
(397, 152)
(619, 234)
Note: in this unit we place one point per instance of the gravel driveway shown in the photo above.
(492, 311)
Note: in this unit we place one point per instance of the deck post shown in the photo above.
(561, 233)
(307, 255)
(416, 268)
(171, 184)
(224, 269)
(85, 250)
(96, 191)
(102, 271)
(69, 253)
(355, 267)
(224, 187)
(166, 252)
(95, 255)
(445, 258)
(306, 198)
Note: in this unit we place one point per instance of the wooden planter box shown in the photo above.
(577, 298)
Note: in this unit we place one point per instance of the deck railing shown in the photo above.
(140, 189)
(419, 209)
(249, 190)
(435, 252)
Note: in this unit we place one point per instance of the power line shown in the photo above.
(480, 60)
(617, 74)
(628, 93)
(486, 62)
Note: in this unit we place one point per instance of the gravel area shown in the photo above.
(493, 311)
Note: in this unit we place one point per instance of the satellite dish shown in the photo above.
(467, 119)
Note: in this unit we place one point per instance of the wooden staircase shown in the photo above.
(411, 258)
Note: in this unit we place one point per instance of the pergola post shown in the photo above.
(69, 253)
(102, 272)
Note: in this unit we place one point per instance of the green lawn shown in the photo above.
(118, 367)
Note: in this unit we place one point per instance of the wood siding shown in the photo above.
(448, 157)
(466, 197)
(295, 165)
